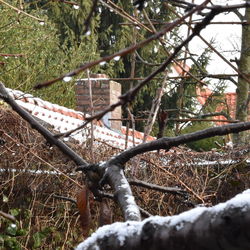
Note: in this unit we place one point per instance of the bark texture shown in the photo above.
(123, 193)
(225, 226)
(243, 85)
(84, 210)
(105, 217)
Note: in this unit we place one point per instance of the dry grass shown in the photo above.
(24, 150)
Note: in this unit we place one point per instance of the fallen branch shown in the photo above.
(123, 193)
(111, 173)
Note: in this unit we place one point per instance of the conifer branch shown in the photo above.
(168, 27)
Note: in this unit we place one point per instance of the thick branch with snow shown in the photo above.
(224, 226)
(123, 193)
(112, 170)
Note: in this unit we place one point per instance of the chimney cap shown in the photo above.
(99, 76)
(93, 77)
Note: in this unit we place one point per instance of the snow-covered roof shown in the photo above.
(63, 119)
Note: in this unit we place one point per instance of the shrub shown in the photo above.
(204, 144)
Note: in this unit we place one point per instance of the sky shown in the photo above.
(227, 39)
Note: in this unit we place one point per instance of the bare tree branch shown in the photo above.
(168, 27)
(43, 131)
(123, 193)
(113, 174)
(188, 5)
(91, 13)
(21, 11)
(168, 142)
(130, 95)
(162, 189)
(221, 9)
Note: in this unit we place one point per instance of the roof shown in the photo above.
(63, 119)
(229, 105)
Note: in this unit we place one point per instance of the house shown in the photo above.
(228, 105)
(62, 119)
(229, 100)
(104, 92)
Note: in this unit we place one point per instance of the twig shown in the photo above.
(180, 181)
(91, 113)
(214, 7)
(154, 109)
(42, 130)
(21, 11)
(146, 62)
(7, 216)
(64, 198)
(162, 189)
(162, 41)
(220, 9)
(12, 55)
(45, 162)
(219, 76)
(168, 27)
(67, 2)
(114, 7)
(132, 119)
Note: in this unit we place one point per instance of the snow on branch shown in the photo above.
(224, 226)
(123, 193)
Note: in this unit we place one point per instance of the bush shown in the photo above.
(204, 144)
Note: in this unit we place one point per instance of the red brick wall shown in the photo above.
(104, 93)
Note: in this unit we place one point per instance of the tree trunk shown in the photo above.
(243, 86)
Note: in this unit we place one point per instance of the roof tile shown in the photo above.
(64, 119)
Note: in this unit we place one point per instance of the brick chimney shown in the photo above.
(104, 93)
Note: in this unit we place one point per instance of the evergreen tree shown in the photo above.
(62, 43)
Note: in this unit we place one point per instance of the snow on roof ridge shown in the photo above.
(94, 79)
(64, 119)
(25, 97)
